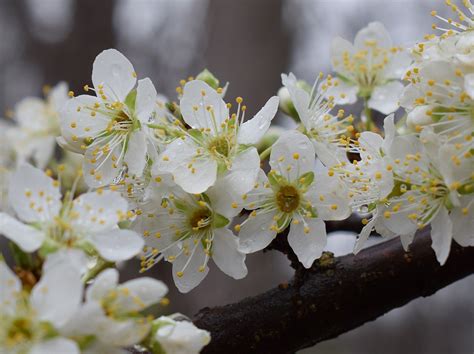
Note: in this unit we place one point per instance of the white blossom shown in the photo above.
(215, 140)
(314, 111)
(370, 68)
(188, 230)
(34, 138)
(433, 186)
(47, 223)
(292, 194)
(179, 337)
(31, 323)
(110, 129)
(112, 312)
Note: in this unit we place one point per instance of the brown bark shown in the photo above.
(333, 297)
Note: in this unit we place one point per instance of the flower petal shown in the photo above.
(141, 293)
(57, 296)
(374, 31)
(226, 255)
(33, 195)
(299, 97)
(118, 245)
(441, 235)
(145, 101)
(106, 281)
(176, 159)
(254, 129)
(115, 73)
(230, 188)
(135, 157)
(56, 345)
(292, 155)
(98, 211)
(11, 287)
(26, 237)
(202, 106)
(386, 98)
(189, 270)
(308, 244)
(255, 233)
(75, 257)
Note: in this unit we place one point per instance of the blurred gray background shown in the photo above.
(248, 43)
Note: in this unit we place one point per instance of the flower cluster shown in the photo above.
(192, 180)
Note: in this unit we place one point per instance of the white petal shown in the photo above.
(292, 155)
(135, 157)
(370, 144)
(115, 72)
(75, 257)
(299, 97)
(255, 233)
(31, 185)
(230, 188)
(106, 281)
(397, 65)
(118, 245)
(469, 84)
(375, 31)
(406, 240)
(145, 101)
(11, 287)
(226, 255)
(58, 95)
(122, 333)
(390, 132)
(175, 160)
(141, 293)
(441, 235)
(364, 235)
(44, 150)
(26, 237)
(98, 211)
(27, 110)
(342, 92)
(180, 337)
(77, 123)
(194, 106)
(330, 198)
(194, 270)
(254, 129)
(57, 296)
(56, 345)
(463, 223)
(85, 320)
(386, 98)
(308, 246)
(100, 169)
(340, 48)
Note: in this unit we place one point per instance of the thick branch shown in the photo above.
(335, 296)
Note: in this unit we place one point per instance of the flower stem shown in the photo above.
(366, 117)
(94, 271)
(265, 153)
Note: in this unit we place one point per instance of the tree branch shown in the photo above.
(333, 297)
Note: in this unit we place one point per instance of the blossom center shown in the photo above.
(288, 199)
(200, 218)
(220, 147)
(19, 331)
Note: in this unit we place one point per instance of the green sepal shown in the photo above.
(275, 179)
(130, 100)
(306, 180)
(208, 78)
(196, 134)
(219, 221)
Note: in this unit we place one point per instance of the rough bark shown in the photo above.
(333, 297)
